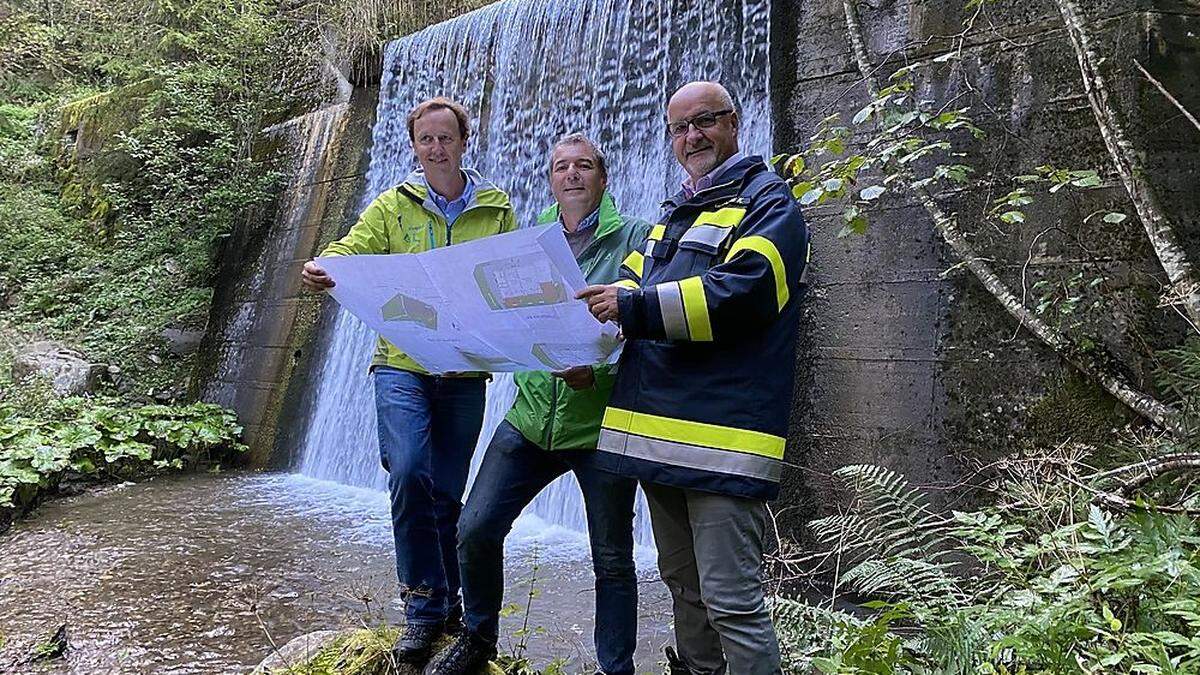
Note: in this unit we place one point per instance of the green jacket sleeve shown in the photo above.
(369, 233)
(509, 223)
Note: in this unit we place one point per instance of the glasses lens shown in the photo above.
(677, 128)
(704, 120)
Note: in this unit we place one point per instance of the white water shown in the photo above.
(532, 70)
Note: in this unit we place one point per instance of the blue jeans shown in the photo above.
(514, 471)
(428, 427)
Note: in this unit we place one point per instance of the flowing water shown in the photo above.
(533, 70)
(198, 574)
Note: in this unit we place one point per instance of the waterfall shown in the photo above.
(532, 70)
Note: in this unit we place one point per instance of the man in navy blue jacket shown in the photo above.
(699, 412)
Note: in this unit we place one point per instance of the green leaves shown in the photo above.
(101, 439)
(993, 591)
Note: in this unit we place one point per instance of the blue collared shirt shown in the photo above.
(706, 181)
(584, 233)
(453, 209)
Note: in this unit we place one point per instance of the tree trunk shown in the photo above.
(1158, 227)
(945, 224)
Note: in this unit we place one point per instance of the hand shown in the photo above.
(602, 302)
(315, 278)
(579, 377)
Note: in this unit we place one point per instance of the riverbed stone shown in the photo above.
(305, 648)
(69, 371)
(182, 342)
(298, 650)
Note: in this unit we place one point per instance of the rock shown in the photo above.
(69, 372)
(298, 650)
(181, 342)
(52, 649)
(371, 643)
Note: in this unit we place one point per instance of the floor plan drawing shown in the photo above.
(407, 308)
(519, 281)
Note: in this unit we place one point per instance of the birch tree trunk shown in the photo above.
(946, 225)
(1159, 230)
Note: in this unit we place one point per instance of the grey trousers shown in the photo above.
(710, 557)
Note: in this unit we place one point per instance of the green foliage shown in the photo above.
(996, 592)
(99, 440)
(127, 154)
(362, 652)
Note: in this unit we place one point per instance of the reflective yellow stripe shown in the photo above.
(729, 216)
(635, 261)
(657, 232)
(627, 283)
(694, 433)
(690, 456)
(695, 306)
(765, 248)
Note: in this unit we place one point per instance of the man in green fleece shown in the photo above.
(428, 424)
(553, 428)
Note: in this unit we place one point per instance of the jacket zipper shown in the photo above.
(553, 413)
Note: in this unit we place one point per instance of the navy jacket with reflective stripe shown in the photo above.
(710, 312)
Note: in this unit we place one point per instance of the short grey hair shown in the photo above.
(577, 138)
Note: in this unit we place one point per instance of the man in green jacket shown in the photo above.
(428, 424)
(553, 428)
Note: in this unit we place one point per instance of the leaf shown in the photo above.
(1115, 218)
(795, 165)
(811, 196)
(1088, 181)
(1011, 217)
(872, 192)
(801, 189)
(832, 185)
(864, 114)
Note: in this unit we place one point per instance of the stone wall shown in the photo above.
(905, 360)
(260, 331)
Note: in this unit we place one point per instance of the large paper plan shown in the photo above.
(503, 303)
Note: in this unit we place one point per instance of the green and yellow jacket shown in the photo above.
(548, 412)
(404, 219)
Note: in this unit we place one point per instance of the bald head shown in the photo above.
(710, 91)
(700, 149)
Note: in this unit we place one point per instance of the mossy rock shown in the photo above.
(366, 651)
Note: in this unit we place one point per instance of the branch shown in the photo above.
(946, 225)
(1190, 117)
(1158, 227)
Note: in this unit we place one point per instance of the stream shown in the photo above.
(201, 573)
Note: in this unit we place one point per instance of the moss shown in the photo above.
(1073, 409)
(362, 652)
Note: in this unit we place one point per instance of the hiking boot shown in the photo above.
(675, 665)
(468, 655)
(416, 642)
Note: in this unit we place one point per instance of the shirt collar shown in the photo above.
(690, 188)
(588, 221)
(467, 193)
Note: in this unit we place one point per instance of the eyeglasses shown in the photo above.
(705, 120)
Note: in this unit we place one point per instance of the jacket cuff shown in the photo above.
(631, 307)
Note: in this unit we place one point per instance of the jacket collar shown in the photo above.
(486, 193)
(728, 185)
(610, 218)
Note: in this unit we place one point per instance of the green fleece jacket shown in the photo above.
(404, 219)
(547, 411)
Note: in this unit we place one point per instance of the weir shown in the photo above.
(532, 70)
